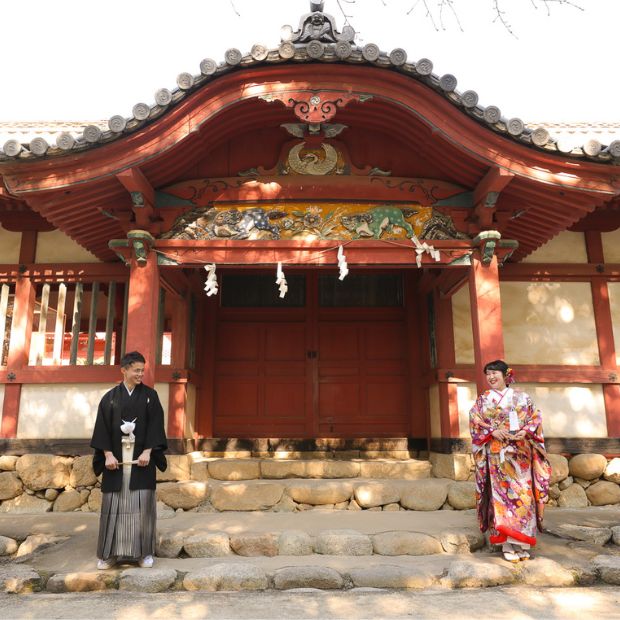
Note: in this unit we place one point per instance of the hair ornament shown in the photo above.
(510, 376)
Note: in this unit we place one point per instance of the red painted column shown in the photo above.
(448, 405)
(19, 350)
(604, 334)
(486, 315)
(142, 311)
(177, 399)
(177, 402)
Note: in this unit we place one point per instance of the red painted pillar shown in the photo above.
(19, 350)
(142, 311)
(486, 315)
(177, 399)
(605, 335)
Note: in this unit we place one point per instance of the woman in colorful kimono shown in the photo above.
(512, 471)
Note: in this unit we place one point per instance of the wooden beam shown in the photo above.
(533, 373)
(559, 271)
(142, 195)
(487, 193)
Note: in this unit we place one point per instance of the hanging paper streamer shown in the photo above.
(281, 281)
(421, 248)
(211, 283)
(342, 264)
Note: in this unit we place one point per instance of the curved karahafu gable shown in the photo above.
(315, 41)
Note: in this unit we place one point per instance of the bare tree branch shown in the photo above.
(234, 8)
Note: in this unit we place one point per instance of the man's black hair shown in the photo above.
(131, 358)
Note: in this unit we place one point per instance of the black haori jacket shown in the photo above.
(115, 406)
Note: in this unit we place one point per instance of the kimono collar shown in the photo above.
(501, 393)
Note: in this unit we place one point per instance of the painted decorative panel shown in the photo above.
(549, 323)
(461, 320)
(56, 247)
(567, 247)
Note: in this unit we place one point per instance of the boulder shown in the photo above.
(342, 542)
(8, 462)
(554, 491)
(234, 469)
(82, 582)
(608, 567)
(68, 501)
(10, 485)
(153, 580)
(317, 492)
(183, 495)
(409, 469)
(603, 493)
(8, 546)
(82, 474)
(425, 494)
(566, 483)
(38, 542)
(461, 541)
(453, 466)
(584, 484)
(559, 468)
(246, 496)
(587, 466)
(94, 500)
(573, 497)
(169, 544)
(251, 544)
(478, 574)
(51, 494)
(25, 504)
(615, 532)
(295, 542)
(233, 576)
(279, 469)
(207, 545)
(286, 504)
(371, 494)
(391, 507)
(594, 535)
(542, 572)
(179, 468)
(405, 543)
(388, 576)
(321, 577)
(612, 471)
(462, 495)
(43, 471)
(19, 579)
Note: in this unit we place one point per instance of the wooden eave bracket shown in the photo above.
(487, 193)
(142, 195)
(486, 241)
(138, 241)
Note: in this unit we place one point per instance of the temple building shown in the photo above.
(317, 247)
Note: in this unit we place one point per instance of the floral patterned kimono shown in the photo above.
(512, 479)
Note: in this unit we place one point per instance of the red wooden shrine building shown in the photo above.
(467, 236)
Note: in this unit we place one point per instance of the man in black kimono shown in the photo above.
(127, 457)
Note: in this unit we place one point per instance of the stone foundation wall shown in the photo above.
(35, 483)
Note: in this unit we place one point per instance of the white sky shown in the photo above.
(88, 60)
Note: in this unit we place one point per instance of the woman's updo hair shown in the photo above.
(497, 365)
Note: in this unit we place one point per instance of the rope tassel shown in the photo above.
(211, 285)
(422, 248)
(281, 281)
(342, 264)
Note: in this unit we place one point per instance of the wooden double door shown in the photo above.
(331, 360)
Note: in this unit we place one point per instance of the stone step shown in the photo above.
(244, 575)
(297, 495)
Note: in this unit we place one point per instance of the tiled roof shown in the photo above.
(316, 41)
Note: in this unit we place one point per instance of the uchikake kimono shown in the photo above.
(512, 479)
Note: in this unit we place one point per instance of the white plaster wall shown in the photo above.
(548, 323)
(433, 400)
(611, 246)
(59, 411)
(573, 410)
(56, 247)
(614, 303)
(163, 391)
(65, 411)
(461, 321)
(567, 247)
(465, 396)
(9, 246)
(1, 399)
(568, 410)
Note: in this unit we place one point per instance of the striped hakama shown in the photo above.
(128, 518)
